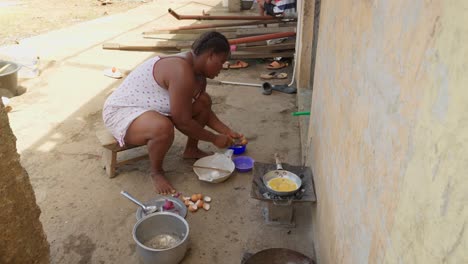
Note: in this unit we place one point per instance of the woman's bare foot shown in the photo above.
(195, 153)
(161, 184)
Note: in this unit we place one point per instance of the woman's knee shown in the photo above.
(205, 100)
(202, 104)
(163, 130)
(149, 126)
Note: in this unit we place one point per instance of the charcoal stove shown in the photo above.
(279, 210)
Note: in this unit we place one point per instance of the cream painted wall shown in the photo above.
(388, 136)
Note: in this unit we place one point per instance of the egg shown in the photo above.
(207, 199)
(193, 208)
(282, 184)
(199, 196)
(187, 202)
(244, 141)
(194, 198)
(206, 206)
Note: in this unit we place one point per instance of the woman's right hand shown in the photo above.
(223, 141)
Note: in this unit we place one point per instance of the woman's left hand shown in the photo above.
(237, 137)
(234, 135)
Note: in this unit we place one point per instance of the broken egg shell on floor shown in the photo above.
(199, 203)
(193, 208)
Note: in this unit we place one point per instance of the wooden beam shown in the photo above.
(239, 31)
(161, 45)
(226, 34)
(281, 46)
(259, 31)
(235, 55)
(208, 27)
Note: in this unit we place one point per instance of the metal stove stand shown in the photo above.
(279, 210)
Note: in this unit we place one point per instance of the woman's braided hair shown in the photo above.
(211, 40)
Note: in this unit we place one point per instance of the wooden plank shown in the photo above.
(226, 34)
(260, 31)
(235, 55)
(162, 45)
(219, 25)
(176, 45)
(255, 30)
(281, 46)
(190, 31)
(105, 137)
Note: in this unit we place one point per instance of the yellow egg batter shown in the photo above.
(282, 185)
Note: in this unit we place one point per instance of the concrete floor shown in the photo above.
(84, 216)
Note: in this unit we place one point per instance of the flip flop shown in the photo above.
(113, 73)
(238, 65)
(273, 75)
(276, 65)
(268, 76)
(226, 65)
(281, 75)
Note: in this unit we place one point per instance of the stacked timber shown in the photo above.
(249, 40)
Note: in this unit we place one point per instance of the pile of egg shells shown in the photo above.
(197, 201)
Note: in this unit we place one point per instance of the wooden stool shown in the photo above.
(110, 149)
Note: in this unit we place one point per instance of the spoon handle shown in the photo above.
(133, 199)
(211, 168)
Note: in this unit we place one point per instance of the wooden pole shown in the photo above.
(174, 30)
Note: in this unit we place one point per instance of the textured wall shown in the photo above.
(388, 136)
(22, 238)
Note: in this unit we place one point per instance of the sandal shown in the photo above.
(273, 75)
(113, 73)
(226, 65)
(281, 75)
(268, 76)
(238, 65)
(276, 65)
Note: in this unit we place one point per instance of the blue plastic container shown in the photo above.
(243, 163)
(238, 149)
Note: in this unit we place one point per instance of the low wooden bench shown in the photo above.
(110, 149)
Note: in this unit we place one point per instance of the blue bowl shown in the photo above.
(238, 149)
(243, 163)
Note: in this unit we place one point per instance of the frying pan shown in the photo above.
(281, 173)
(278, 256)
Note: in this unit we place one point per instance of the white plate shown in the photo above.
(217, 160)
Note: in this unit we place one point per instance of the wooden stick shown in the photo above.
(211, 17)
(207, 26)
(4, 67)
(236, 55)
(211, 168)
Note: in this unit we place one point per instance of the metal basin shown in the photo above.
(9, 76)
(278, 256)
(161, 238)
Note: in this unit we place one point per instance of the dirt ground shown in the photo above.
(25, 18)
(85, 218)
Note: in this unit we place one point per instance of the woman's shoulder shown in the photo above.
(182, 56)
(175, 62)
(171, 68)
